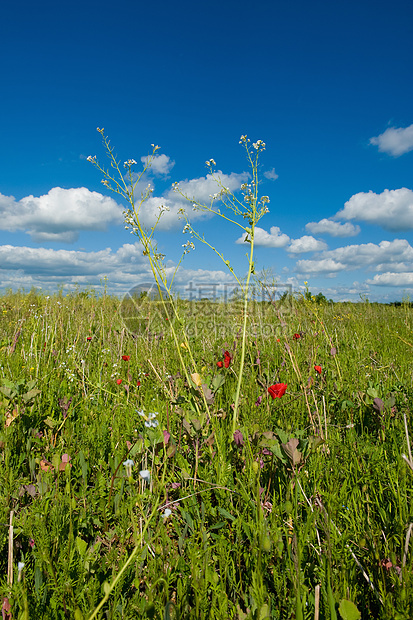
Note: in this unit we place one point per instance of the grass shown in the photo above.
(303, 512)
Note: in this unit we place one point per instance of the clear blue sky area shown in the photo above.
(326, 85)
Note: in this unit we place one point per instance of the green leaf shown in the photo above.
(218, 381)
(30, 395)
(81, 545)
(8, 392)
(218, 525)
(225, 513)
(348, 610)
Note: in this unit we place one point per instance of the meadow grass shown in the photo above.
(108, 511)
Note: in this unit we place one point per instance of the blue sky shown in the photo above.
(327, 86)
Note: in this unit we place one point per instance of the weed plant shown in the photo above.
(255, 469)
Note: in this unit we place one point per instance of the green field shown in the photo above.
(304, 512)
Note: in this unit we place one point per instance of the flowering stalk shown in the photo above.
(125, 187)
(251, 209)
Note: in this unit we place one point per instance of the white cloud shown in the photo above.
(392, 279)
(203, 188)
(60, 214)
(161, 164)
(124, 268)
(392, 209)
(395, 141)
(398, 253)
(306, 244)
(271, 174)
(335, 229)
(200, 189)
(274, 239)
(322, 265)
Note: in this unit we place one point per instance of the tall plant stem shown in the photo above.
(244, 333)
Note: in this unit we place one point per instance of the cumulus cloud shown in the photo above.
(60, 214)
(306, 244)
(203, 188)
(334, 229)
(395, 141)
(322, 265)
(124, 268)
(161, 164)
(392, 279)
(274, 239)
(200, 190)
(392, 209)
(367, 255)
(271, 174)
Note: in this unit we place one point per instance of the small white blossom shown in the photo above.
(129, 162)
(150, 419)
(92, 159)
(259, 145)
(128, 466)
(145, 474)
(167, 513)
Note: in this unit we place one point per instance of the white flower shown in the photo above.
(259, 145)
(145, 474)
(128, 466)
(20, 565)
(92, 159)
(150, 419)
(167, 513)
(129, 162)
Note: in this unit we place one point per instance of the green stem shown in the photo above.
(244, 332)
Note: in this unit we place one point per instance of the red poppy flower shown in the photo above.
(138, 383)
(118, 381)
(277, 390)
(89, 338)
(227, 359)
(220, 364)
(296, 336)
(318, 369)
(126, 358)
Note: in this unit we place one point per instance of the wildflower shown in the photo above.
(126, 358)
(31, 542)
(227, 359)
(138, 383)
(20, 567)
(145, 474)
(128, 466)
(277, 390)
(167, 513)
(296, 337)
(220, 364)
(258, 401)
(118, 381)
(238, 438)
(150, 419)
(89, 338)
(259, 145)
(318, 369)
